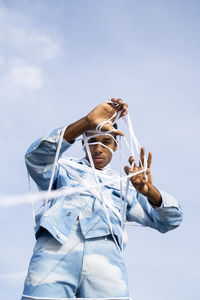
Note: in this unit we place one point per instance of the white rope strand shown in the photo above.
(101, 195)
(16, 200)
(96, 189)
(54, 165)
(32, 204)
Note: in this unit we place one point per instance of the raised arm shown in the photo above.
(151, 207)
(41, 154)
(100, 113)
(40, 157)
(144, 185)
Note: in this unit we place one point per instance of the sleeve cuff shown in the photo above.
(54, 136)
(167, 200)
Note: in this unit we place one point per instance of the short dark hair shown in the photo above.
(116, 127)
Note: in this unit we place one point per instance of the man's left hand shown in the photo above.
(144, 185)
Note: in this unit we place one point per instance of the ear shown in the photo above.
(115, 147)
(82, 142)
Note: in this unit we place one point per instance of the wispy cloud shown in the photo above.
(20, 275)
(25, 50)
(29, 42)
(23, 76)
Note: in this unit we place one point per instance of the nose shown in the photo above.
(98, 148)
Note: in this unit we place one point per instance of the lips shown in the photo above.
(98, 159)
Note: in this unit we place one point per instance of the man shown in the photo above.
(79, 236)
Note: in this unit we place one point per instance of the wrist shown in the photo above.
(88, 122)
(74, 130)
(154, 197)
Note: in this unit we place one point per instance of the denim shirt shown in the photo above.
(63, 211)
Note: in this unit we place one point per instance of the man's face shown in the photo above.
(100, 154)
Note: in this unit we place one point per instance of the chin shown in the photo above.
(99, 166)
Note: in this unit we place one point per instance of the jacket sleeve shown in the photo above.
(40, 157)
(164, 218)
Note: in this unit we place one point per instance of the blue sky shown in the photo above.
(59, 59)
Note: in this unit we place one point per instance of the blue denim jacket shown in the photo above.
(63, 211)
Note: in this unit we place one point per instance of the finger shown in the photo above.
(149, 160)
(128, 170)
(131, 160)
(113, 100)
(124, 109)
(142, 155)
(125, 106)
(121, 106)
(120, 101)
(150, 178)
(118, 132)
(116, 101)
(133, 170)
(109, 127)
(117, 104)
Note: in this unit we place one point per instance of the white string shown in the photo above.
(121, 184)
(134, 143)
(101, 195)
(98, 133)
(15, 200)
(54, 165)
(98, 128)
(123, 206)
(121, 195)
(100, 172)
(132, 153)
(86, 188)
(32, 204)
(99, 143)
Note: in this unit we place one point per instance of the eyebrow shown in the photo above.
(92, 139)
(106, 139)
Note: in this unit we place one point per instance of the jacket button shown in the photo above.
(68, 214)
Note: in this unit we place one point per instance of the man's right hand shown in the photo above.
(104, 112)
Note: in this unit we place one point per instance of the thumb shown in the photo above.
(118, 132)
(109, 127)
(128, 170)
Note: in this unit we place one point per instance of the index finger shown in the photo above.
(116, 102)
(149, 160)
(124, 109)
(142, 155)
